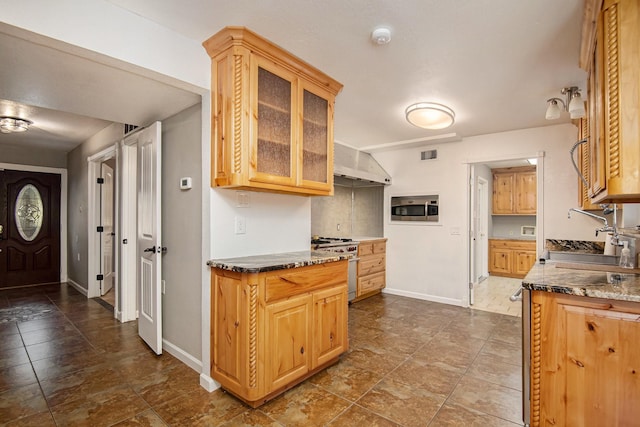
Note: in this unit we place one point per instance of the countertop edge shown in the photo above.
(277, 261)
(585, 283)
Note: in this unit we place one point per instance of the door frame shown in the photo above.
(125, 282)
(94, 251)
(63, 207)
(471, 176)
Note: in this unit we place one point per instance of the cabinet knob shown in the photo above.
(301, 350)
(236, 323)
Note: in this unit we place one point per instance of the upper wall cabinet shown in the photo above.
(272, 117)
(610, 53)
(514, 191)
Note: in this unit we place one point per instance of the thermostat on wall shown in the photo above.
(185, 183)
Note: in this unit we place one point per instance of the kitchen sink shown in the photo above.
(583, 258)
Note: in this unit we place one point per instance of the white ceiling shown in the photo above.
(494, 62)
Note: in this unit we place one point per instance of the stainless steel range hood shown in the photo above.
(357, 166)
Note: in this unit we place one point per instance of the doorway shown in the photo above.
(488, 292)
(107, 236)
(30, 235)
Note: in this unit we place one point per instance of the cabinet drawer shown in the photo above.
(372, 247)
(285, 283)
(379, 247)
(371, 264)
(371, 283)
(365, 248)
(513, 244)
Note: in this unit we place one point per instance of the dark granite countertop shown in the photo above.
(281, 261)
(596, 284)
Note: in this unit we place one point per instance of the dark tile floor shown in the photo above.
(65, 361)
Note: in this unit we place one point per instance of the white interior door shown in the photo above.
(483, 228)
(149, 239)
(107, 236)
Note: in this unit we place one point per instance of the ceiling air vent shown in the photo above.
(129, 128)
(429, 155)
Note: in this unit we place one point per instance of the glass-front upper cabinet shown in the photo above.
(272, 117)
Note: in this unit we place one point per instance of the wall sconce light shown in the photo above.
(574, 104)
(429, 115)
(14, 124)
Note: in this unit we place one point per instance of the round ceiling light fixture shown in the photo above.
(429, 115)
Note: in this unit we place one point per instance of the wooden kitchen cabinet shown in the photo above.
(272, 117)
(371, 268)
(610, 53)
(511, 258)
(585, 361)
(271, 330)
(514, 191)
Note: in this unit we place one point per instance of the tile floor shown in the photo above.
(65, 361)
(492, 294)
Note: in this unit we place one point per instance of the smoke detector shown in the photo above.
(381, 35)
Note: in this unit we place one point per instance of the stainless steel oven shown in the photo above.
(415, 208)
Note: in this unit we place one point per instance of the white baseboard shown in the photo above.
(78, 287)
(182, 356)
(208, 383)
(424, 297)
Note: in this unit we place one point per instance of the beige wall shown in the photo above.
(182, 230)
(33, 157)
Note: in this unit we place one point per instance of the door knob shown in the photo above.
(151, 249)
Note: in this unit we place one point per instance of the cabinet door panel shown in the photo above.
(523, 260)
(316, 131)
(272, 153)
(228, 346)
(503, 188)
(288, 332)
(330, 318)
(500, 260)
(526, 193)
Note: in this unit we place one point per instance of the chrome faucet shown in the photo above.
(613, 229)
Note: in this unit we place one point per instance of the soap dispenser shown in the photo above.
(625, 256)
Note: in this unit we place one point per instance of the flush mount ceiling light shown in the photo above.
(14, 124)
(429, 115)
(574, 104)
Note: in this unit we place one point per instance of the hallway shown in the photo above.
(64, 360)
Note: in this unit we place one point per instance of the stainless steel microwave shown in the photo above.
(415, 208)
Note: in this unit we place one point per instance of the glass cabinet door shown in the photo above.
(273, 149)
(315, 137)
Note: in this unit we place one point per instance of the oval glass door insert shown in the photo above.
(28, 214)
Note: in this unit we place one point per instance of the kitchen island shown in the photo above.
(582, 328)
(276, 320)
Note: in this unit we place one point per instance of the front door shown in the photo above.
(30, 228)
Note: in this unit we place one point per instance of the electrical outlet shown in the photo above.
(241, 225)
(164, 284)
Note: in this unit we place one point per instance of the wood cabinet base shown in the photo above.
(258, 402)
(271, 330)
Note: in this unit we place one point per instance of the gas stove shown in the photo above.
(334, 244)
